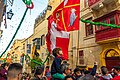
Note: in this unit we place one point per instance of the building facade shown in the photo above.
(89, 44)
(2, 10)
(16, 50)
(99, 43)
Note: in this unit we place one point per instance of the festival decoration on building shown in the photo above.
(67, 15)
(10, 14)
(100, 23)
(56, 38)
(27, 3)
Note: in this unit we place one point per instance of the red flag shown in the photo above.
(67, 15)
(56, 38)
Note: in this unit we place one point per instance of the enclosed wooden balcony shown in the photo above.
(107, 33)
(97, 4)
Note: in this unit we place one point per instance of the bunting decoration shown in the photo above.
(64, 18)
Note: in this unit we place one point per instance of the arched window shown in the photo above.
(112, 53)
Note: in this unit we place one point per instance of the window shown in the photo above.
(104, 21)
(86, 3)
(118, 18)
(89, 28)
(42, 55)
(43, 39)
(28, 48)
(112, 20)
(37, 42)
(81, 57)
(98, 27)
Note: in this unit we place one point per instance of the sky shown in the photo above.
(26, 28)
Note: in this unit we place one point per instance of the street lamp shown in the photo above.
(9, 14)
(49, 7)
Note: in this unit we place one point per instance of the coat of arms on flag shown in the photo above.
(67, 15)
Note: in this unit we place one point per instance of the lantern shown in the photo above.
(9, 14)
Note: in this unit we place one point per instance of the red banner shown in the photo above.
(67, 15)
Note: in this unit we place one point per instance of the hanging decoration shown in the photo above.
(30, 6)
(100, 23)
(28, 1)
(11, 2)
(5, 22)
(10, 14)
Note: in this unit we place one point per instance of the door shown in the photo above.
(112, 58)
(112, 61)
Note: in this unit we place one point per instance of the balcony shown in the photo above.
(98, 4)
(104, 34)
(94, 4)
(108, 35)
(108, 1)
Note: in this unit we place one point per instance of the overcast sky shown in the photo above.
(26, 28)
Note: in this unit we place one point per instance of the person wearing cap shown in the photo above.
(116, 70)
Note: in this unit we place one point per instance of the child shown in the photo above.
(56, 71)
(47, 73)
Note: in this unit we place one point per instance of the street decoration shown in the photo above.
(65, 18)
(27, 2)
(67, 15)
(72, 18)
(10, 14)
(99, 23)
(30, 7)
(11, 2)
(56, 38)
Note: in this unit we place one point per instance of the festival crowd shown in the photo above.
(59, 70)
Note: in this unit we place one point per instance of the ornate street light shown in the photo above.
(9, 14)
(49, 7)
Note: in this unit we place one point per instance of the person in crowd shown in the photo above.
(26, 76)
(69, 77)
(97, 76)
(93, 72)
(77, 73)
(67, 71)
(65, 68)
(38, 75)
(56, 71)
(105, 74)
(3, 71)
(14, 71)
(47, 73)
(116, 71)
(87, 76)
